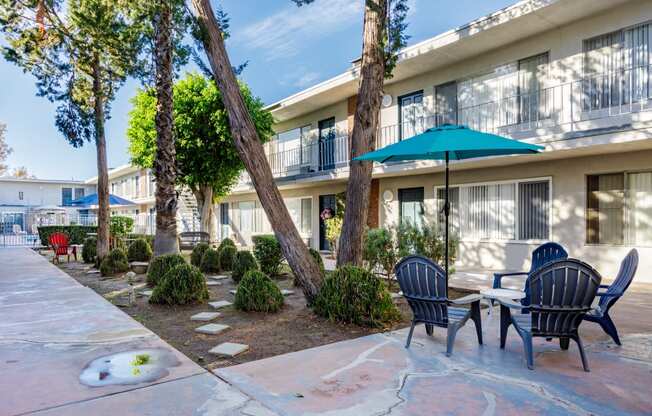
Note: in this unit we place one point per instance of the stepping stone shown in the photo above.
(220, 304)
(212, 329)
(205, 316)
(93, 271)
(147, 292)
(213, 283)
(286, 292)
(217, 277)
(395, 295)
(229, 349)
(233, 291)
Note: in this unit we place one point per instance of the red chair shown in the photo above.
(61, 246)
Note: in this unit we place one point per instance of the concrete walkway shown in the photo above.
(51, 328)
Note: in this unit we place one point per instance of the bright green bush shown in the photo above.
(120, 226)
(197, 253)
(115, 262)
(268, 253)
(227, 257)
(226, 242)
(244, 262)
(181, 285)
(355, 295)
(139, 250)
(89, 250)
(210, 261)
(426, 240)
(76, 233)
(257, 292)
(379, 251)
(160, 265)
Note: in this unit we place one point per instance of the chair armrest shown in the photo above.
(604, 286)
(498, 277)
(509, 303)
(465, 300)
(607, 295)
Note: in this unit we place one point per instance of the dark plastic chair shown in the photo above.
(561, 294)
(608, 298)
(423, 284)
(541, 255)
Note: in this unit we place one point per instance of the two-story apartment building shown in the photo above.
(571, 75)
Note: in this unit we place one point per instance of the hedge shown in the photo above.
(115, 262)
(268, 253)
(139, 250)
(160, 265)
(258, 293)
(76, 233)
(244, 262)
(210, 261)
(181, 285)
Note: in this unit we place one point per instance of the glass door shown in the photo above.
(327, 144)
(325, 202)
(411, 206)
(410, 115)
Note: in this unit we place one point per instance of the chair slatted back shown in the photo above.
(59, 241)
(546, 253)
(561, 293)
(624, 278)
(423, 283)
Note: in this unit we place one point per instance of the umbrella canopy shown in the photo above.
(449, 142)
(92, 199)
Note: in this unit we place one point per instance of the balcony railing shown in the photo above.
(592, 102)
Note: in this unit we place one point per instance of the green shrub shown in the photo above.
(160, 265)
(148, 237)
(89, 250)
(115, 262)
(76, 233)
(320, 262)
(181, 285)
(426, 240)
(139, 250)
(227, 258)
(379, 251)
(210, 261)
(244, 261)
(224, 243)
(120, 226)
(197, 253)
(257, 292)
(355, 295)
(268, 253)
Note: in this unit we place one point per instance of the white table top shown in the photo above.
(502, 293)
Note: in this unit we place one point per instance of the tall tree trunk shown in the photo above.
(204, 198)
(363, 137)
(165, 240)
(102, 166)
(251, 152)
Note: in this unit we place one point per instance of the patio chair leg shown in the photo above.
(610, 328)
(407, 345)
(477, 320)
(429, 329)
(585, 362)
(528, 350)
(450, 339)
(563, 343)
(505, 322)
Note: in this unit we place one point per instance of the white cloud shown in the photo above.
(306, 79)
(284, 33)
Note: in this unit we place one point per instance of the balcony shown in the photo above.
(599, 102)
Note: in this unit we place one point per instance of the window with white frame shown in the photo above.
(301, 212)
(253, 220)
(514, 210)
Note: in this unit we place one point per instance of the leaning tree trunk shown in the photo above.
(204, 198)
(165, 240)
(251, 152)
(102, 168)
(365, 127)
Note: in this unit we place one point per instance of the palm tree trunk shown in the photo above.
(363, 137)
(204, 198)
(165, 240)
(102, 166)
(251, 152)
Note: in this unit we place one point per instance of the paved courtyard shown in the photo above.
(52, 328)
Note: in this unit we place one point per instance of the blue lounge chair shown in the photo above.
(561, 294)
(613, 292)
(541, 255)
(423, 284)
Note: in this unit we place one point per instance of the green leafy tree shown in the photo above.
(80, 52)
(5, 150)
(206, 159)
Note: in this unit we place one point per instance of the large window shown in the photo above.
(301, 212)
(66, 196)
(619, 208)
(411, 112)
(79, 193)
(289, 150)
(516, 210)
(411, 206)
(253, 220)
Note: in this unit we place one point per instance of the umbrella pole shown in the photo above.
(446, 213)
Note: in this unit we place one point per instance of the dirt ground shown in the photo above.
(294, 328)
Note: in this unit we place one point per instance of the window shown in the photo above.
(410, 114)
(410, 209)
(66, 196)
(446, 103)
(619, 208)
(326, 143)
(289, 149)
(79, 193)
(517, 210)
(136, 185)
(20, 195)
(301, 212)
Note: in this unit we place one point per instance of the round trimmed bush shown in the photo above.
(227, 257)
(355, 295)
(210, 261)
(139, 250)
(181, 285)
(268, 253)
(89, 250)
(160, 265)
(197, 253)
(115, 262)
(226, 242)
(244, 262)
(258, 293)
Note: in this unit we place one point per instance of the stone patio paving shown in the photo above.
(52, 328)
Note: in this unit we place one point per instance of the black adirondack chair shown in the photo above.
(608, 298)
(541, 255)
(561, 294)
(423, 284)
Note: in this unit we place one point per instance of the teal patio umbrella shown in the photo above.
(449, 142)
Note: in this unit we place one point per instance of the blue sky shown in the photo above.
(288, 49)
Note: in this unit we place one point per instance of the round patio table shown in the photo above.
(493, 294)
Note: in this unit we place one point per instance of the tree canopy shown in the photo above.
(5, 150)
(204, 146)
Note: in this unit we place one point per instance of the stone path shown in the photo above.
(52, 328)
(212, 329)
(205, 316)
(229, 349)
(220, 304)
